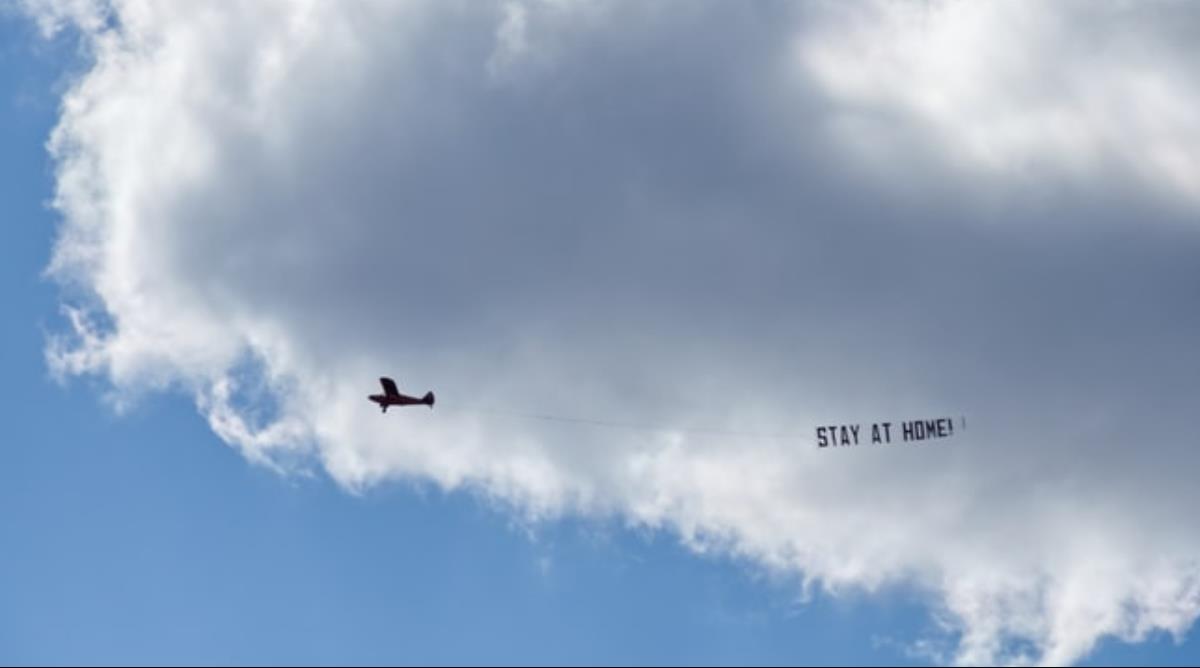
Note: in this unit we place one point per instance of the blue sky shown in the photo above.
(144, 537)
(141, 538)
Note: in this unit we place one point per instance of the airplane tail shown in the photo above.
(428, 399)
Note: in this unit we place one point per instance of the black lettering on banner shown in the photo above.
(846, 435)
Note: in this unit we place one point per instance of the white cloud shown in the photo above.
(1015, 88)
(740, 217)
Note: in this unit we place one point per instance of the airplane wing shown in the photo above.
(389, 386)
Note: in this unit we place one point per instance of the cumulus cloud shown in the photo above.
(743, 218)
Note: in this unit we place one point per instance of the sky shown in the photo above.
(723, 223)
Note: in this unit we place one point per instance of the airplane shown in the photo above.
(392, 397)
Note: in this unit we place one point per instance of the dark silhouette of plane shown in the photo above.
(392, 397)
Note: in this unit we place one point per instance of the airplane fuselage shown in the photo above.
(391, 396)
(385, 400)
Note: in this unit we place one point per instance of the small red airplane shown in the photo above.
(392, 397)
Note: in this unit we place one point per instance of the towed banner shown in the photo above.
(844, 435)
